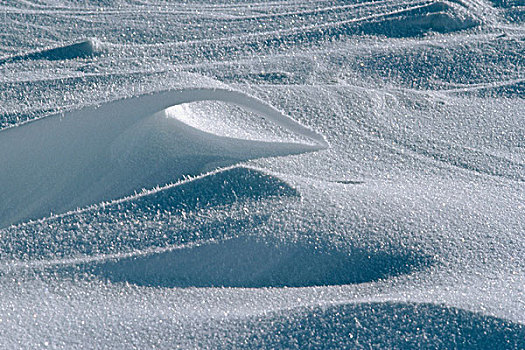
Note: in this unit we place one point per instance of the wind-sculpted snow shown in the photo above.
(246, 262)
(101, 153)
(181, 202)
(356, 324)
(438, 16)
(82, 49)
(513, 10)
(262, 174)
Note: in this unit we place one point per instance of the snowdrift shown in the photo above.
(81, 49)
(101, 153)
(250, 262)
(222, 188)
(393, 325)
(142, 207)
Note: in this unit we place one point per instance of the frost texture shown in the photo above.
(247, 174)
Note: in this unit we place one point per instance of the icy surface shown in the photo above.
(276, 174)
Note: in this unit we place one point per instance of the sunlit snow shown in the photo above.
(262, 174)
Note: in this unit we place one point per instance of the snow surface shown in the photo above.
(262, 174)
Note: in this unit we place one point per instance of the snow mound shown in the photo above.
(97, 154)
(217, 189)
(441, 17)
(82, 49)
(385, 325)
(251, 262)
(224, 187)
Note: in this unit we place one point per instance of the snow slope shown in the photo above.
(68, 161)
(276, 174)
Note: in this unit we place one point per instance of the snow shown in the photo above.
(80, 49)
(80, 158)
(279, 174)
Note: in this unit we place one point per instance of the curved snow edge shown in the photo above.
(104, 152)
(165, 99)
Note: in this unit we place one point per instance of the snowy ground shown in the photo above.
(276, 174)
